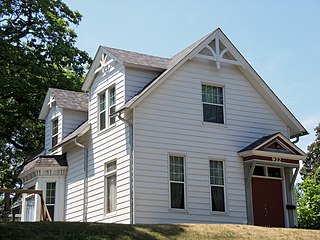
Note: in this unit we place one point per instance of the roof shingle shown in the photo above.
(70, 100)
(139, 58)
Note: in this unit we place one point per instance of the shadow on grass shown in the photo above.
(86, 231)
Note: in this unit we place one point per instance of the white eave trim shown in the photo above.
(272, 154)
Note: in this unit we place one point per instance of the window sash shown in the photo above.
(102, 111)
(55, 130)
(112, 105)
(111, 186)
(177, 182)
(111, 193)
(50, 192)
(217, 186)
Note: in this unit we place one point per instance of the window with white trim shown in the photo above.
(177, 182)
(107, 107)
(217, 186)
(111, 187)
(55, 130)
(212, 103)
(51, 197)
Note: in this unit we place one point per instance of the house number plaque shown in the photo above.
(276, 159)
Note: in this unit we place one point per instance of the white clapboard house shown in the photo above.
(196, 138)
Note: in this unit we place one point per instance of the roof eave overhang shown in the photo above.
(45, 108)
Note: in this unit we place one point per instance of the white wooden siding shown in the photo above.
(74, 201)
(72, 120)
(137, 79)
(107, 145)
(170, 120)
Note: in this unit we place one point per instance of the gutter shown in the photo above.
(85, 179)
(126, 121)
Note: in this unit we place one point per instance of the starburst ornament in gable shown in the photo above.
(104, 64)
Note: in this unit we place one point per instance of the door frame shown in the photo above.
(250, 197)
(284, 197)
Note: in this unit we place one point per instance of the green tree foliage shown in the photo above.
(308, 192)
(308, 202)
(37, 51)
(311, 164)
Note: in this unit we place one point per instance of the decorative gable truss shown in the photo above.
(106, 64)
(218, 52)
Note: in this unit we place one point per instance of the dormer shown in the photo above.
(63, 111)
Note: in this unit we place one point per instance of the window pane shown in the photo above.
(212, 94)
(258, 171)
(177, 195)
(274, 172)
(55, 124)
(54, 140)
(111, 166)
(102, 102)
(51, 211)
(216, 173)
(111, 193)
(176, 169)
(102, 120)
(112, 96)
(217, 198)
(213, 113)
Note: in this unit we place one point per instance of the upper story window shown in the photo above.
(55, 127)
(212, 101)
(111, 186)
(217, 186)
(107, 108)
(177, 182)
(51, 198)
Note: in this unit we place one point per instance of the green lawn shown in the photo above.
(70, 230)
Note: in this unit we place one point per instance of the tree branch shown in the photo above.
(11, 141)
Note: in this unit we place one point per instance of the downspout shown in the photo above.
(85, 180)
(131, 164)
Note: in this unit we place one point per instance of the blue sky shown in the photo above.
(280, 39)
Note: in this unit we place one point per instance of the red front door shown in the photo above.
(267, 202)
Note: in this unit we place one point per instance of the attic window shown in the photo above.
(55, 127)
(212, 101)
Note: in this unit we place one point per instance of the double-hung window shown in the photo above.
(51, 197)
(55, 128)
(111, 186)
(217, 186)
(212, 102)
(177, 182)
(107, 107)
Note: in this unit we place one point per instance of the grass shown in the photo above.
(99, 231)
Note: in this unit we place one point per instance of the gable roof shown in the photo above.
(71, 100)
(171, 65)
(262, 144)
(258, 83)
